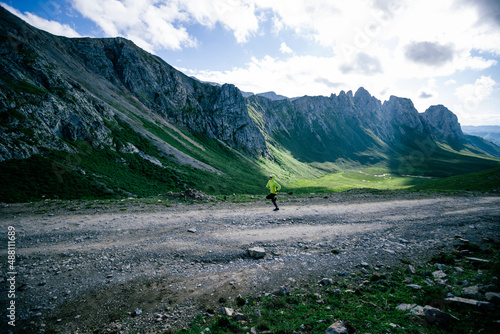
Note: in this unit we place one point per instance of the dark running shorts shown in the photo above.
(271, 196)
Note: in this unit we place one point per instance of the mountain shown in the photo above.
(272, 96)
(75, 86)
(488, 132)
(358, 127)
(84, 117)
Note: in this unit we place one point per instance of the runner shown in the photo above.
(273, 187)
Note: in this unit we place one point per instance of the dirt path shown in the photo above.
(79, 269)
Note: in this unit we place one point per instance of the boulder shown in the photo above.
(227, 311)
(414, 286)
(439, 274)
(477, 260)
(405, 307)
(326, 281)
(493, 297)
(282, 291)
(440, 318)
(414, 309)
(462, 301)
(411, 270)
(337, 328)
(257, 252)
(472, 292)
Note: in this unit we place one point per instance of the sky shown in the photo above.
(430, 51)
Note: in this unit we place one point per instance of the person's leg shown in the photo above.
(272, 197)
(274, 202)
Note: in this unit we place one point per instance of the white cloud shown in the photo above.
(405, 35)
(362, 64)
(390, 47)
(472, 95)
(429, 53)
(361, 25)
(285, 49)
(295, 76)
(161, 23)
(377, 44)
(53, 27)
(476, 63)
(238, 16)
(150, 25)
(298, 76)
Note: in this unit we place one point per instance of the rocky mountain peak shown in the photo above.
(362, 94)
(345, 95)
(402, 113)
(366, 103)
(233, 124)
(75, 86)
(444, 123)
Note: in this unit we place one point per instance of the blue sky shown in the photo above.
(433, 52)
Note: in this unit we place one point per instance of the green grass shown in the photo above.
(25, 86)
(487, 180)
(240, 175)
(372, 177)
(38, 177)
(110, 173)
(439, 161)
(381, 178)
(137, 175)
(287, 168)
(366, 302)
(55, 176)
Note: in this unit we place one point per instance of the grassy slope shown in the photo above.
(487, 180)
(39, 177)
(407, 166)
(57, 175)
(367, 177)
(108, 173)
(417, 155)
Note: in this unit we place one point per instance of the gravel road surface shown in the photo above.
(85, 266)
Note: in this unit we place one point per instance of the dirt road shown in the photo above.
(92, 265)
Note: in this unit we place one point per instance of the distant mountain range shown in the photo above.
(270, 95)
(488, 132)
(109, 119)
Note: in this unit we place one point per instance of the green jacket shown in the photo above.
(273, 186)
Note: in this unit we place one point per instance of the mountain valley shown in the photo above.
(102, 118)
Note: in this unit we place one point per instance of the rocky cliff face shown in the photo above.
(444, 124)
(402, 115)
(55, 89)
(41, 105)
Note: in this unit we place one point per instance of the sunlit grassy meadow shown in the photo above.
(373, 178)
